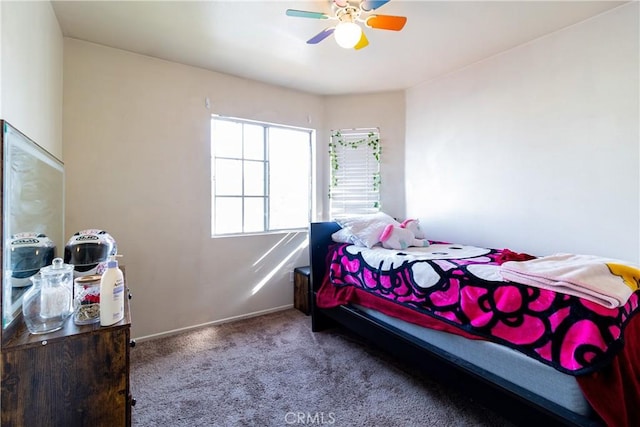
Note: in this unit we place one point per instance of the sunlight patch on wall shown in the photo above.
(278, 267)
(287, 237)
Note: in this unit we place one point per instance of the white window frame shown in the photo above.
(266, 194)
(354, 186)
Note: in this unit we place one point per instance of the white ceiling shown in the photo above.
(256, 40)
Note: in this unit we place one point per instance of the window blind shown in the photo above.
(355, 172)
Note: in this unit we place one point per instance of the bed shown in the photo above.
(531, 382)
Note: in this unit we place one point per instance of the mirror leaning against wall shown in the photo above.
(32, 215)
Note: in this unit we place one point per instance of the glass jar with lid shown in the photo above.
(86, 292)
(48, 303)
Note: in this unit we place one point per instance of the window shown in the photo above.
(260, 176)
(355, 172)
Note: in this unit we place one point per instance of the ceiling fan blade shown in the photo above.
(363, 42)
(321, 35)
(386, 22)
(369, 5)
(306, 14)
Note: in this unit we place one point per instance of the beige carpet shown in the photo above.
(273, 371)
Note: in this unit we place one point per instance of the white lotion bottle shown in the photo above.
(111, 294)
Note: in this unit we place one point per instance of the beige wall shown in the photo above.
(31, 71)
(535, 149)
(137, 163)
(385, 111)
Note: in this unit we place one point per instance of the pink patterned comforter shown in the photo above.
(573, 335)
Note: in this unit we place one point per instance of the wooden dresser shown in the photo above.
(77, 376)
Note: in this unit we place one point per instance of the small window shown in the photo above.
(355, 172)
(260, 176)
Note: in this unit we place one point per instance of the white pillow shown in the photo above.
(343, 236)
(366, 229)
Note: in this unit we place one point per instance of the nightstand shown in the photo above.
(301, 291)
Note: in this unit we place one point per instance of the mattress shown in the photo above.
(506, 363)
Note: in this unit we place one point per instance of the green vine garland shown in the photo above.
(371, 140)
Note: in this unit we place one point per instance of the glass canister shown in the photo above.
(45, 306)
(56, 277)
(31, 304)
(86, 293)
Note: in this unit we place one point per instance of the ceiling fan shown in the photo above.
(347, 32)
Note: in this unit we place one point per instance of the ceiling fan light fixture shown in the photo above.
(347, 34)
(347, 31)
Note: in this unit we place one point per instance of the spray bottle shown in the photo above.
(111, 294)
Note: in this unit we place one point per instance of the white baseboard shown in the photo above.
(213, 323)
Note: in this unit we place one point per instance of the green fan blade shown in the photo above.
(305, 14)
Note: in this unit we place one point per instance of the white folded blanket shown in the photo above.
(605, 281)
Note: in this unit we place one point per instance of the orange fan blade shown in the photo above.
(363, 42)
(386, 22)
